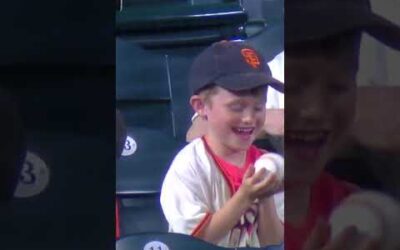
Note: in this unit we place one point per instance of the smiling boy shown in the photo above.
(211, 190)
(322, 43)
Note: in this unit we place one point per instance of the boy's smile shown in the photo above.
(235, 118)
(244, 132)
(307, 144)
(320, 100)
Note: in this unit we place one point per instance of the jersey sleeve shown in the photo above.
(183, 199)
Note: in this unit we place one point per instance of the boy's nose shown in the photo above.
(313, 107)
(311, 111)
(248, 117)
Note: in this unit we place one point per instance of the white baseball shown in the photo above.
(375, 215)
(272, 163)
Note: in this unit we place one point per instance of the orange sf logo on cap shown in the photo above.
(251, 58)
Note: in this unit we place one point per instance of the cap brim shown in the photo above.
(308, 23)
(249, 81)
(384, 31)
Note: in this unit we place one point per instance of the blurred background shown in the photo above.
(57, 61)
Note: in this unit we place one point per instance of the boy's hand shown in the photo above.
(259, 185)
(346, 240)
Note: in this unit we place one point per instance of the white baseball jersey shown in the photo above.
(194, 188)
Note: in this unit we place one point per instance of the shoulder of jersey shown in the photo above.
(190, 155)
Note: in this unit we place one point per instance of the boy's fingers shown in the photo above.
(344, 240)
(349, 239)
(249, 172)
(280, 187)
(259, 176)
(267, 184)
(319, 236)
(369, 244)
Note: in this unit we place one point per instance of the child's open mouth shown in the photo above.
(243, 132)
(306, 145)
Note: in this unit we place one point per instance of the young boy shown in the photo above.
(211, 190)
(322, 43)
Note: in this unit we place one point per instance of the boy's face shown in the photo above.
(319, 108)
(235, 118)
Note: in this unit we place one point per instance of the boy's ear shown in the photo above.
(198, 105)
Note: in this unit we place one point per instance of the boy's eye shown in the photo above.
(259, 108)
(236, 107)
(338, 88)
(293, 88)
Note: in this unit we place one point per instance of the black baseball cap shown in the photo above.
(232, 65)
(307, 20)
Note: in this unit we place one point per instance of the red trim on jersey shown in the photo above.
(199, 228)
(234, 174)
(208, 149)
(326, 193)
(117, 226)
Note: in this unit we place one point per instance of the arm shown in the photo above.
(225, 219)
(197, 129)
(254, 186)
(270, 228)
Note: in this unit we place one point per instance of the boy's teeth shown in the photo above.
(244, 130)
(309, 137)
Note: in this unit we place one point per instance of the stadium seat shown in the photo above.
(140, 214)
(170, 241)
(153, 99)
(57, 107)
(180, 23)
